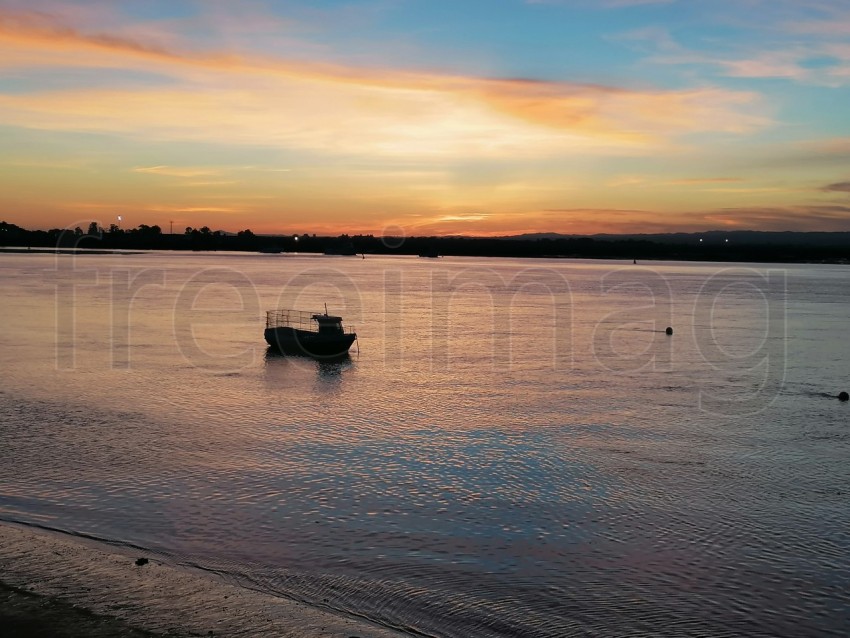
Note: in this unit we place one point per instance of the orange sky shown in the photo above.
(281, 120)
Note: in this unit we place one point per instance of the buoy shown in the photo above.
(669, 330)
(843, 396)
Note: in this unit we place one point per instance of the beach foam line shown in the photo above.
(158, 597)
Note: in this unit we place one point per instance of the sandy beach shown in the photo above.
(26, 615)
(53, 585)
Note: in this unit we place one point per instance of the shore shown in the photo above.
(26, 615)
(54, 585)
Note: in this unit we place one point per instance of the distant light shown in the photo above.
(119, 218)
(296, 237)
(726, 240)
(700, 239)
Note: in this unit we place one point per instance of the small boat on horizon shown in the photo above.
(430, 252)
(319, 335)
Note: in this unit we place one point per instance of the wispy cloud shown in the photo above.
(837, 187)
(476, 217)
(175, 171)
(705, 180)
(784, 43)
(803, 217)
(346, 109)
(795, 218)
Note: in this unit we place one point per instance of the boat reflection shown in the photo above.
(284, 371)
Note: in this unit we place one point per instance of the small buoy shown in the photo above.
(669, 330)
(843, 396)
(141, 561)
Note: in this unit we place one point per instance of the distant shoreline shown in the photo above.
(737, 257)
(713, 246)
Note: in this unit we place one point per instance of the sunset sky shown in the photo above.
(475, 117)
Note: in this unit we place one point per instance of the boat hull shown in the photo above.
(307, 343)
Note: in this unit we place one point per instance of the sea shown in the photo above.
(513, 448)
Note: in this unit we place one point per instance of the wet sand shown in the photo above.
(53, 585)
(26, 615)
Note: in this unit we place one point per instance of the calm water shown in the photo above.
(517, 449)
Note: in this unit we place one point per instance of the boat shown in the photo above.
(318, 335)
(430, 251)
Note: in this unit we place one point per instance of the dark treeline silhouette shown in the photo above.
(747, 246)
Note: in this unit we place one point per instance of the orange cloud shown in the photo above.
(175, 171)
(335, 108)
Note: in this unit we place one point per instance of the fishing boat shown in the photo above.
(312, 334)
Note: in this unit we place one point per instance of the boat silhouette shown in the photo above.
(318, 335)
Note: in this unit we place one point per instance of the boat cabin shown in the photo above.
(328, 324)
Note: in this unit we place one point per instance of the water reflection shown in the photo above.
(285, 371)
(534, 484)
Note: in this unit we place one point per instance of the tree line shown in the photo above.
(144, 237)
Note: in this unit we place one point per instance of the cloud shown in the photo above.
(781, 41)
(233, 98)
(590, 220)
(705, 180)
(837, 187)
(830, 154)
(815, 64)
(29, 26)
(175, 171)
(477, 217)
(803, 218)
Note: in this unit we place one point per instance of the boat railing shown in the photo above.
(294, 319)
